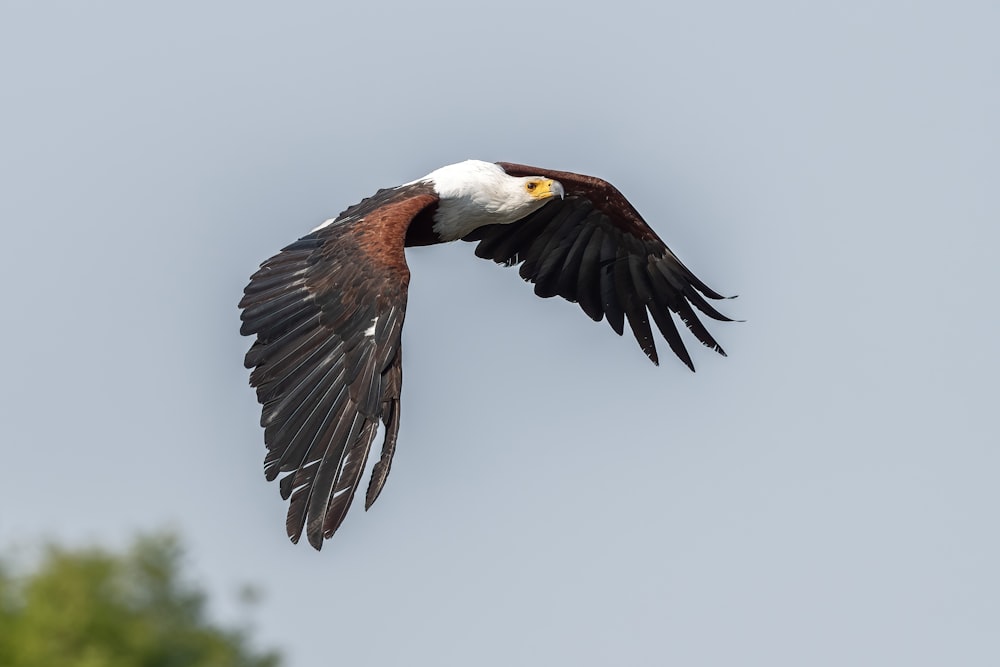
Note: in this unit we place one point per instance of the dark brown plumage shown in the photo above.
(328, 310)
(595, 249)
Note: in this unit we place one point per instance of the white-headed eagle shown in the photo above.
(328, 309)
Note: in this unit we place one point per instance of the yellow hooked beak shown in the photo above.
(544, 188)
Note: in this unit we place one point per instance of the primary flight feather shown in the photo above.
(327, 311)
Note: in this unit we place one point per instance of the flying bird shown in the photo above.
(327, 311)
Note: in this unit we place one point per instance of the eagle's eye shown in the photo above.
(531, 186)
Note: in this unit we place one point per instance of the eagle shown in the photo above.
(327, 311)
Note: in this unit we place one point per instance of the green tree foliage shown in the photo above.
(93, 608)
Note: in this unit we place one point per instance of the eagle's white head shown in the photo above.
(476, 193)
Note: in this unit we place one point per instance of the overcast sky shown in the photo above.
(826, 495)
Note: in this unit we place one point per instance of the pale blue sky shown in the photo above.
(827, 495)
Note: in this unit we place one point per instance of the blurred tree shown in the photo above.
(93, 608)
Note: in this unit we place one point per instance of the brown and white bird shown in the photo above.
(328, 309)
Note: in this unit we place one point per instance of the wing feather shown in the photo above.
(568, 276)
(553, 258)
(630, 292)
(544, 245)
(589, 279)
(348, 477)
(390, 419)
(609, 294)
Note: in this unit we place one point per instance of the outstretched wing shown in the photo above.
(593, 248)
(327, 312)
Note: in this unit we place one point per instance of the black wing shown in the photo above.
(328, 312)
(593, 248)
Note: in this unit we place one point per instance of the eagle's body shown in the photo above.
(328, 309)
